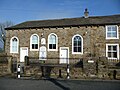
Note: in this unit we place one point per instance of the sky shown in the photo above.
(18, 11)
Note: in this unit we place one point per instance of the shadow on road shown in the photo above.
(54, 81)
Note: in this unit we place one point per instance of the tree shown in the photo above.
(2, 30)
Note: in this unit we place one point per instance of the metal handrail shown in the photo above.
(54, 60)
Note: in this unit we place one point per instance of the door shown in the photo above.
(23, 53)
(42, 53)
(64, 55)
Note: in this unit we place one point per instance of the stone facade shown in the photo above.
(94, 40)
(94, 47)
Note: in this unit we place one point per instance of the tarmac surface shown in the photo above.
(54, 84)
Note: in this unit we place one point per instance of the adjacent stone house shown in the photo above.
(64, 39)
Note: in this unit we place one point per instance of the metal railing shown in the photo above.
(71, 61)
(114, 60)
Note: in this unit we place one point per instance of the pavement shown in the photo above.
(57, 84)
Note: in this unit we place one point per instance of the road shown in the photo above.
(20, 84)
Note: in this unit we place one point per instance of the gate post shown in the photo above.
(60, 75)
(114, 74)
(18, 71)
(89, 67)
(26, 60)
(68, 71)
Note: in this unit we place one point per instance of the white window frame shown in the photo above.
(56, 42)
(112, 37)
(11, 44)
(31, 43)
(117, 50)
(73, 44)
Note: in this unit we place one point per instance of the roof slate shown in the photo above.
(81, 21)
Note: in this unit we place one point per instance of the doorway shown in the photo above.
(23, 53)
(64, 55)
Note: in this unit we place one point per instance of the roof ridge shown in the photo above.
(91, 20)
(106, 15)
(71, 18)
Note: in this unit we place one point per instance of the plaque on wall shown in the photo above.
(43, 41)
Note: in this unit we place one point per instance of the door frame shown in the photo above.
(45, 51)
(67, 53)
(21, 50)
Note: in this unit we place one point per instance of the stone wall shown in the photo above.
(94, 40)
(5, 64)
(102, 67)
(91, 67)
(53, 72)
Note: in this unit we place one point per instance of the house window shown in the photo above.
(52, 42)
(77, 44)
(112, 32)
(14, 45)
(112, 51)
(34, 42)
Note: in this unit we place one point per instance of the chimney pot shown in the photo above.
(86, 13)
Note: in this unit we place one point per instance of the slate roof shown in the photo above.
(93, 20)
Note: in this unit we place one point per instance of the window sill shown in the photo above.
(34, 49)
(113, 58)
(77, 53)
(52, 50)
(111, 38)
(14, 52)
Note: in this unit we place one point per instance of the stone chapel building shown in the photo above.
(65, 38)
(86, 36)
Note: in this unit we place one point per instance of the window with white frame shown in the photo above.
(34, 42)
(14, 45)
(112, 32)
(52, 42)
(77, 44)
(112, 51)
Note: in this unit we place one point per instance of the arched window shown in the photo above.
(52, 42)
(34, 42)
(14, 45)
(77, 44)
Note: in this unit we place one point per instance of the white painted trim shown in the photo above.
(56, 42)
(60, 52)
(11, 44)
(90, 61)
(73, 45)
(31, 43)
(20, 51)
(117, 50)
(107, 31)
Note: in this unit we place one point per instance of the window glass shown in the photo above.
(112, 51)
(77, 46)
(52, 41)
(34, 42)
(112, 32)
(14, 45)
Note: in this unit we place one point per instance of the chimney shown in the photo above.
(86, 13)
